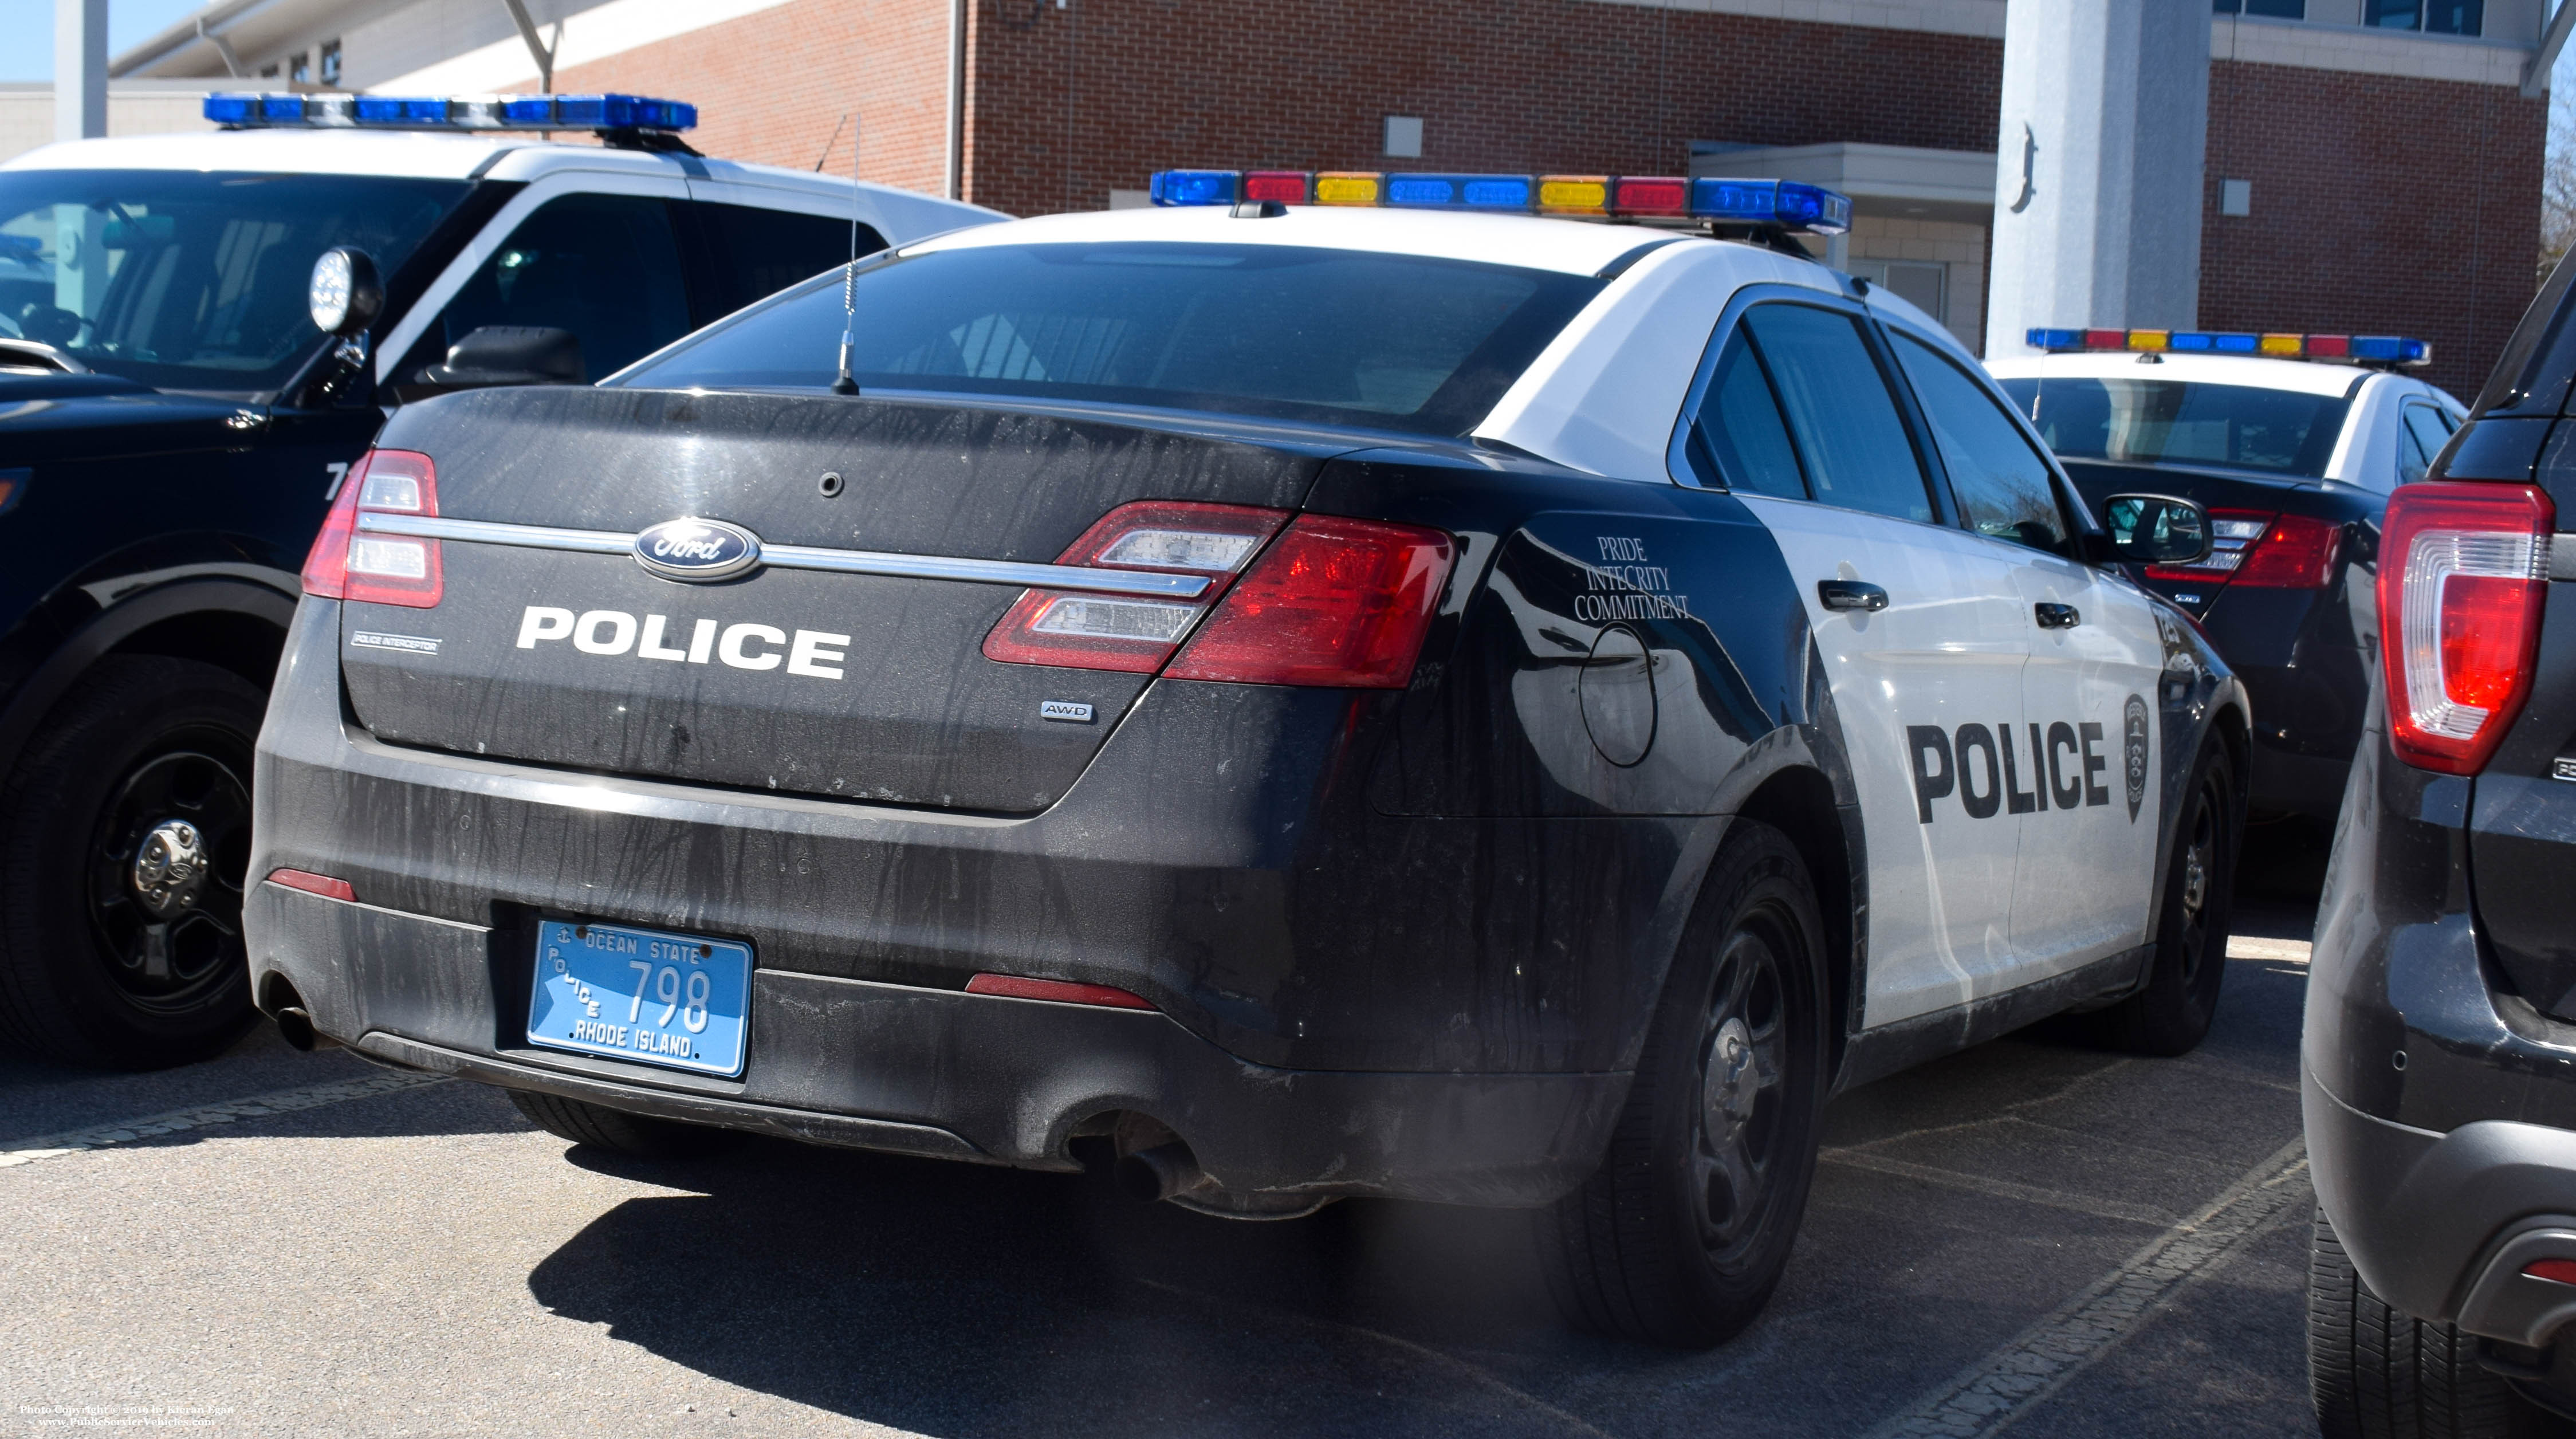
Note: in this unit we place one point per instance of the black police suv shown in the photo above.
(2439, 1062)
(2294, 459)
(173, 428)
(1497, 710)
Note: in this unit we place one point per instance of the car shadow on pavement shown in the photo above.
(965, 1301)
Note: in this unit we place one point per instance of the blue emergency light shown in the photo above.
(2341, 349)
(1768, 204)
(241, 111)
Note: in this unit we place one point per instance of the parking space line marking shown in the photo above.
(2004, 1188)
(231, 1111)
(1991, 1393)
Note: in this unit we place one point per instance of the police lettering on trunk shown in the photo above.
(2008, 769)
(816, 653)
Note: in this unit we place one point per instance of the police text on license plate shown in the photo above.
(676, 1000)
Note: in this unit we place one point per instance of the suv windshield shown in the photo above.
(1340, 336)
(2177, 422)
(191, 281)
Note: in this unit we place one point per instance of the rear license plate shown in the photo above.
(676, 1000)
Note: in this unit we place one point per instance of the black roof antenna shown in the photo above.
(845, 384)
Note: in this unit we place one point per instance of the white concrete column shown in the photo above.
(2097, 196)
(80, 69)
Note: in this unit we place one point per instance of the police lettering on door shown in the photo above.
(1997, 770)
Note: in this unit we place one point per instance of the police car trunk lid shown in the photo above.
(849, 685)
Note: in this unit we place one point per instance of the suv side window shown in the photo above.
(2001, 481)
(752, 253)
(605, 267)
(1850, 439)
(1738, 438)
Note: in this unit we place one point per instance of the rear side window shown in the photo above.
(1738, 438)
(2002, 483)
(753, 253)
(1854, 446)
(1338, 336)
(2422, 430)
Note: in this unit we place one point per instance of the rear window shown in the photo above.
(1344, 337)
(2178, 422)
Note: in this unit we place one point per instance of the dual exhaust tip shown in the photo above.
(1165, 1171)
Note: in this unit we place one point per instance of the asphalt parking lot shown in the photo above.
(2031, 1237)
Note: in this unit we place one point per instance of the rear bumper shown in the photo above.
(2442, 1225)
(946, 1074)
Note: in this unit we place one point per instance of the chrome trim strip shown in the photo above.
(806, 557)
(534, 537)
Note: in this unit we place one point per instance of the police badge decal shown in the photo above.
(2133, 752)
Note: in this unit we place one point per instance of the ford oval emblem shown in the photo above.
(697, 550)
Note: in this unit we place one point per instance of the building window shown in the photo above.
(2236, 197)
(299, 71)
(2269, 9)
(1924, 284)
(1404, 136)
(331, 62)
(2438, 17)
(268, 72)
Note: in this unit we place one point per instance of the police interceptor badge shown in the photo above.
(697, 551)
(2133, 750)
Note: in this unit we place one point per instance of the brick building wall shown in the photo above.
(1065, 105)
(771, 87)
(2381, 205)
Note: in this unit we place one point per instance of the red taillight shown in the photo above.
(1062, 991)
(2463, 574)
(311, 883)
(2296, 553)
(349, 562)
(1135, 633)
(2262, 550)
(1332, 602)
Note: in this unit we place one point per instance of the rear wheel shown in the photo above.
(641, 1135)
(2172, 1014)
(2374, 1371)
(124, 837)
(1681, 1235)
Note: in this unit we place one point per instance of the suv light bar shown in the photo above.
(1771, 204)
(240, 111)
(2337, 349)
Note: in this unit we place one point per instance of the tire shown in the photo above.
(2172, 1014)
(96, 967)
(1681, 1235)
(600, 1127)
(2377, 1373)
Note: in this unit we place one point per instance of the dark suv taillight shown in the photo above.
(354, 563)
(2463, 575)
(2258, 549)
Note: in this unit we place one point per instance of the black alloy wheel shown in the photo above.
(124, 850)
(2173, 1012)
(1681, 1235)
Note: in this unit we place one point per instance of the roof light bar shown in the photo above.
(244, 111)
(1781, 204)
(2342, 349)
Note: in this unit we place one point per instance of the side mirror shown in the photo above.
(2156, 530)
(510, 355)
(344, 294)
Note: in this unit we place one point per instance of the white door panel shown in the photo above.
(2086, 879)
(1937, 672)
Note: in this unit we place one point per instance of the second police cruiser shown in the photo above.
(173, 427)
(1340, 685)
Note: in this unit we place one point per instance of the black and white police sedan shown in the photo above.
(1328, 699)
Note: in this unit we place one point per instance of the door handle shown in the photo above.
(1851, 595)
(2056, 617)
